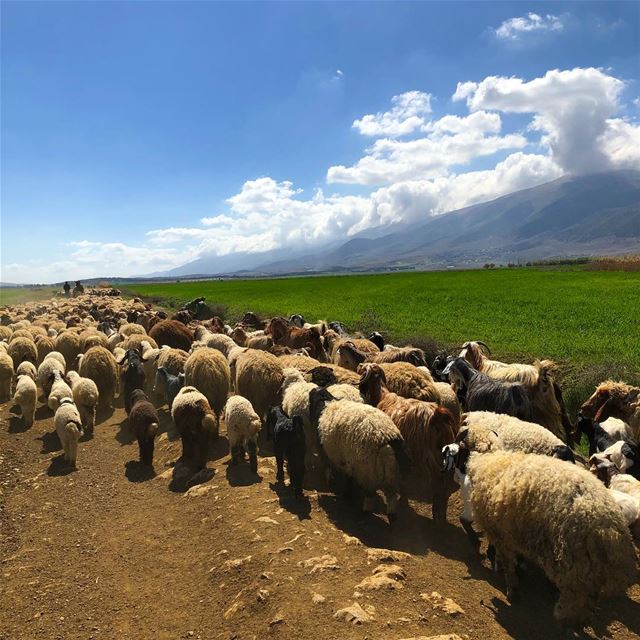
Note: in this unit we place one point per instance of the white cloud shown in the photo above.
(450, 141)
(516, 28)
(571, 108)
(415, 200)
(97, 259)
(406, 115)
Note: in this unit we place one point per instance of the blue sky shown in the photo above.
(137, 136)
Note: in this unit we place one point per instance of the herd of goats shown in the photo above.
(371, 416)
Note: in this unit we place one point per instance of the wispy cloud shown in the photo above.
(516, 28)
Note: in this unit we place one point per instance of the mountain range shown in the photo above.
(596, 214)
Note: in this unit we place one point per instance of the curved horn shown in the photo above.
(484, 345)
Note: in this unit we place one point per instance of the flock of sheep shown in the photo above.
(371, 415)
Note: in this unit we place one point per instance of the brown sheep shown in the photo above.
(425, 426)
(410, 382)
(131, 328)
(68, 343)
(44, 346)
(100, 365)
(135, 340)
(173, 334)
(304, 364)
(208, 371)
(328, 374)
(22, 349)
(93, 338)
(259, 378)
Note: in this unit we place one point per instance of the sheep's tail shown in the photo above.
(73, 428)
(401, 455)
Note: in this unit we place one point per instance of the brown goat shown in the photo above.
(614, 400)
(295, 338)
(350, 357)
(425, 426)
(333, 341)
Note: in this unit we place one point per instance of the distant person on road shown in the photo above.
(78, 290)
(67, 289)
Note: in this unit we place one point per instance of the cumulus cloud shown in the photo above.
(572, 109)
(516, 28)
(450, 141)
(405, 116)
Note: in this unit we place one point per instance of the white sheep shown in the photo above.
(363, 443)
(86, 398)
(50, 364)
(59, 390)
(69, 429)
(196, 423)
(6, 375)
(26, 396)
(243, 426)
(519, 435)
(557, 516)
(295, 402)
(27, 368)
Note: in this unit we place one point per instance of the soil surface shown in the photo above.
(113, 550)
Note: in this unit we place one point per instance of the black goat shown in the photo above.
(478, 392)
(439, 365)
(144, 422)
(289, 444)
(377, 339)
(132, 376)
(172, 384)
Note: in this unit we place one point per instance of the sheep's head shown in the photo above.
(323, 376)
(138, 395)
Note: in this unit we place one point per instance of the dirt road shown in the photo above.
(109, 551)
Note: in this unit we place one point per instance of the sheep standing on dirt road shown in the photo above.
(559, 517)
(243, 426)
